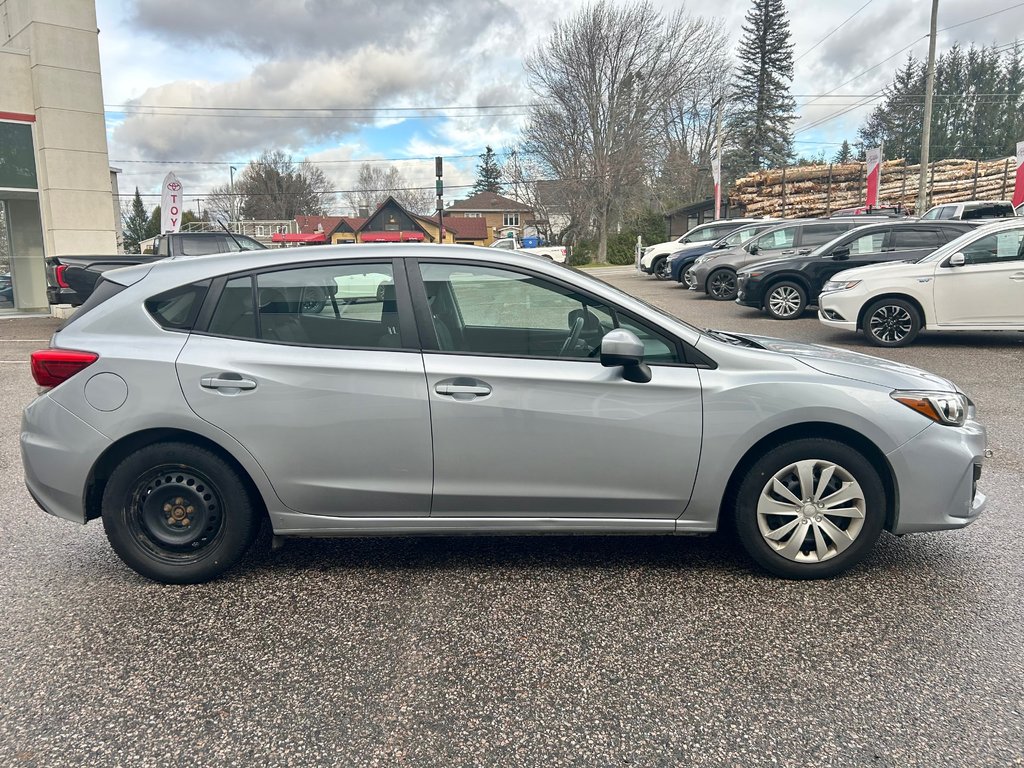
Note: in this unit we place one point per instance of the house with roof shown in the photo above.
(502, 215)
(392, 223)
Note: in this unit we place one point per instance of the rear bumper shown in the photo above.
(58, 451)
(63, 296)
(937, 473)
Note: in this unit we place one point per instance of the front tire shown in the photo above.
(663, 268)
(785, 301)
(722, 285)
(178, 514)
(892, 323)
(810, 509)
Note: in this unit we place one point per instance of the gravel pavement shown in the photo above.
(526, 651)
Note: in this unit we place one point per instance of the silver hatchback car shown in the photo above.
(346, 391)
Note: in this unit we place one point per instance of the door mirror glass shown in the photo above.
(622, 348)
(957, 260)
(753, 248)
(842, 253)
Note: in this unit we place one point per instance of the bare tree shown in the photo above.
(274, 187)
(607, 79)
(376, 182)
(217, 204)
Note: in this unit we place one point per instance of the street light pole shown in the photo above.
(926, 128)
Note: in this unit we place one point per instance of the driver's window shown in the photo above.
(779, 238)
(1000, 246)
(493, 311)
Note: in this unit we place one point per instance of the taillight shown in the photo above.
(51, 367)
(58, 275)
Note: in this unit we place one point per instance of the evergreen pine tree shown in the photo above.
(488, 173)
(135, 224)
(763, 107)
(844, 155)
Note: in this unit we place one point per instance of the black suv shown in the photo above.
(785, 287)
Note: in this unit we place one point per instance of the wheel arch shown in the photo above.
(125, 446)
(891, 295)
(823, 430)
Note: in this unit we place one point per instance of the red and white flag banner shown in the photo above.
(874, 156)
(716, 172)
(1018, 188)
(170, 204)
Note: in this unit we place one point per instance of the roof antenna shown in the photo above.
(232, 235)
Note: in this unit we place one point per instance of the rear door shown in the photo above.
(316, 370)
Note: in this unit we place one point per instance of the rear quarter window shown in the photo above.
(177, 309)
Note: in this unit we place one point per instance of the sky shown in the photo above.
(380, 63)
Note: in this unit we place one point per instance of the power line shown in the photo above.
(320, 109)
(313, 162)
(826, 37)
(979, 18)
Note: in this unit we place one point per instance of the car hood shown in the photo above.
(772, 263)
(856, 366)
(725, 253)
(694, 250)
(888, 270)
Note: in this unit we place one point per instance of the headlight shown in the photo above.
(948, 408)
(748, 275)
(701, 259)
(839, 285)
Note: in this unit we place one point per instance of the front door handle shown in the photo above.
(462, 388)
(225, 381)
(1018, 276)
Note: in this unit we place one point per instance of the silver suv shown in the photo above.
(367, 390)
(715, 273)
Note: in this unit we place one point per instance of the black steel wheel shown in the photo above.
(785, 301)
(892, 323)
(663, 268)
(722, 285)
(178, 513)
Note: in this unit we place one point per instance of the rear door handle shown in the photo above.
(224, 381)
(462, 388)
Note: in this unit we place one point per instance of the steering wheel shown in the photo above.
(573, 337)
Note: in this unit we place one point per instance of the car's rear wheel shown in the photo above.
(722, 285)
(785, 301)
(810, 509)
(892, 323)
(663, 268)
(178, 513)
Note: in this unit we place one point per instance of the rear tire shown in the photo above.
(892, 323)
(178, 514)
(721, 285)
(785, 300)
(809, 509)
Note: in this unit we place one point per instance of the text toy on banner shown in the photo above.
(170, 204)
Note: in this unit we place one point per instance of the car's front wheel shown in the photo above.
(178, 513)
(722, 285)
(663, 268)
(785, 301)
(810, 509)
(892, 323)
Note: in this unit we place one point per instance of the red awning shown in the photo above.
(389, 237)
(295, 237)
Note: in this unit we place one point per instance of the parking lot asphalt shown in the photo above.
(526, 651)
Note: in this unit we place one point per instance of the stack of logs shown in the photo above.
(818, 190)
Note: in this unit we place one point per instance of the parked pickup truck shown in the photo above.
(71, 279)
(556, 253)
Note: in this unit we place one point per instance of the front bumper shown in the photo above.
(58, 451)
(748, 292)
(936, 475)
(696, 278)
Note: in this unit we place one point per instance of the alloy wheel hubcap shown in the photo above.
(784, 301)
(890, 323)
(723, 285)
(811, 511)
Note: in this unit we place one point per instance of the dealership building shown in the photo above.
(55, 175)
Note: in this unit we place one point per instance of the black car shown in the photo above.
(785, 287)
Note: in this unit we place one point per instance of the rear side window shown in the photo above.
(177, 309)
(104, 290)
(908, 239)
(987, 211)
(819, 234)
(200, 246)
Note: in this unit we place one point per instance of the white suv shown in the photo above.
(973, 283)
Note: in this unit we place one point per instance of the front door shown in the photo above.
(989, 288)
(525, 420)
(313, 370)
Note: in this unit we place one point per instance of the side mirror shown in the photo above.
(722, 245)
(753, 249)
(841, 254)
(622, 347)
(957, 260)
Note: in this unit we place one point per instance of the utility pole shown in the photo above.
(233, 215)
(926, 129)
(439, 187)
(716, 164)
